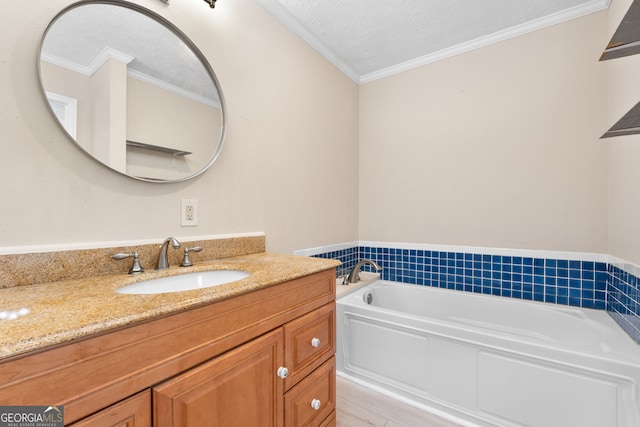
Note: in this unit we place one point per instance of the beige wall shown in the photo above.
(109, 114)
(71, 84)
(149, 114)
(497, 147)
(161, 117)
(624, 151)
(292, 137)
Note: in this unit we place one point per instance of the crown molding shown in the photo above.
(109, 53)
(312, 40)
(291, 23)
(97, 62)
(518, 30)
(106, 54)
(174, 89)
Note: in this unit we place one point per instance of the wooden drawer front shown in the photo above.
(319, 386)
(132, 412)
(309, 341)
(330, 421)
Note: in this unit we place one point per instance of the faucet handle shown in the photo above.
(186, 260)
(136, 268)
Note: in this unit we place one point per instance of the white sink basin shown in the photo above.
(184, 282)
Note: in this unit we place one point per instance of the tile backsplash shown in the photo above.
(578, 279)
(623, 297)
(349, 257)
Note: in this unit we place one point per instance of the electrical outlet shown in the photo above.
(189, 212)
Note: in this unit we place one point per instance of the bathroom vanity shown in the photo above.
(259, 351)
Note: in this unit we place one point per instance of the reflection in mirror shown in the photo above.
(132, 91)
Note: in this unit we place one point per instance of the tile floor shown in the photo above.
(359, 406)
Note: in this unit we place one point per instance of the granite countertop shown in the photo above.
(63, 311)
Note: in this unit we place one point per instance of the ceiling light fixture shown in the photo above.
(212, 3)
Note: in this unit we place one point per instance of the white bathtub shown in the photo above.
(490, 361)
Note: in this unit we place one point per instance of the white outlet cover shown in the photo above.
(189, 212)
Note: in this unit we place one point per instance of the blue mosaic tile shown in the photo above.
(587, 284)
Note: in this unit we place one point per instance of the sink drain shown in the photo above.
(368, 297)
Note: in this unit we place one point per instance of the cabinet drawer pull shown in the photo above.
(282, 372)
(315, 342)
(315, 404)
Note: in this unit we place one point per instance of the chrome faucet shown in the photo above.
(186, 259)
(354, 276)
(136, 268)
(163, 255)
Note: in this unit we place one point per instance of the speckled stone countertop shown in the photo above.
(67, 310)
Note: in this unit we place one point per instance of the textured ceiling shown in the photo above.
(365, 39)
(368, 39)
(78, 36)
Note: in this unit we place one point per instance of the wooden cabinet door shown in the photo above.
(238, 388)
(132, 412)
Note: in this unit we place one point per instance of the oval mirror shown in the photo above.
(132, 91)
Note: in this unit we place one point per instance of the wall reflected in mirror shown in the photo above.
(132, 91)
